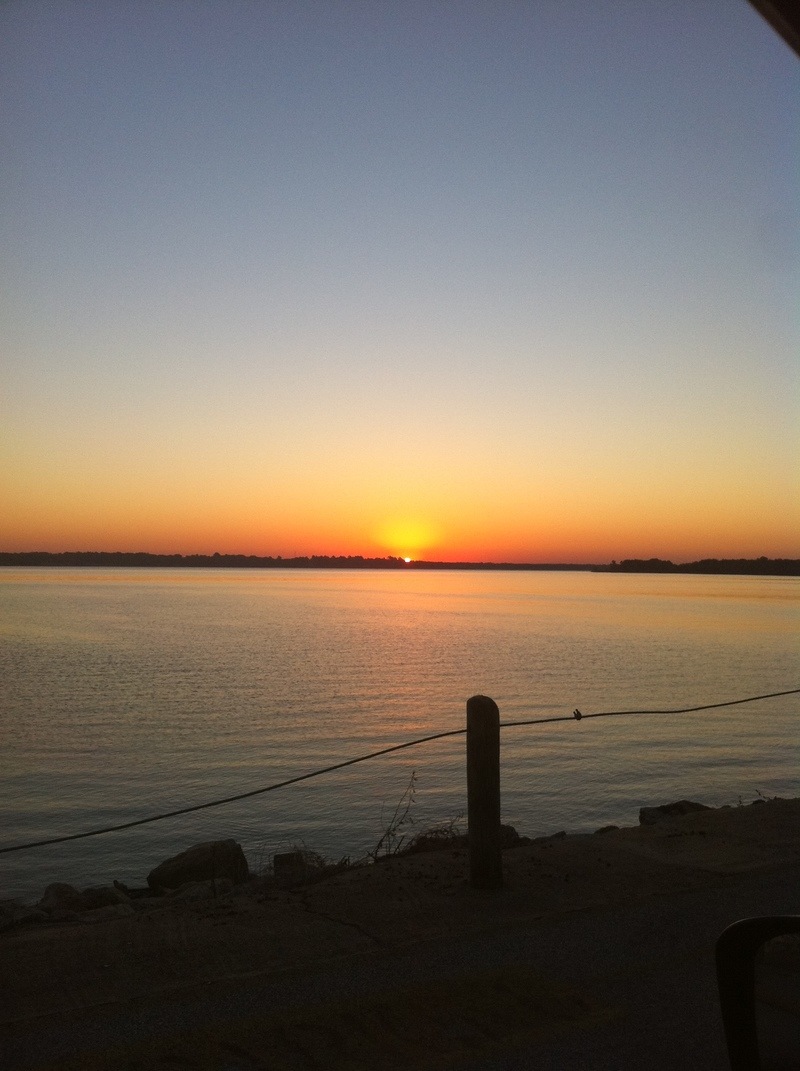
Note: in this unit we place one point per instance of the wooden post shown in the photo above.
(483, 793)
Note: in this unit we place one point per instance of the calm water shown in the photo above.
(125, 693)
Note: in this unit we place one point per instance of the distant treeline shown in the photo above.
(745, 566)
(141, 559)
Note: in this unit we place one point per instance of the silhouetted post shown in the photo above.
(483, 793)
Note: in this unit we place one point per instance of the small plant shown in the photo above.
(261, 866)
(763, 798)
(298, 865)
(445, 835)
(760, 798)
(396, 832)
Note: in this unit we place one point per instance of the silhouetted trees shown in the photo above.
(141, 559)
(744, 566)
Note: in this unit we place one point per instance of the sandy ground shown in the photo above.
(157, 958)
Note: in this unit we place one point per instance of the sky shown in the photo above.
(489, 281)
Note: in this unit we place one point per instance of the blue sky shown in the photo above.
(295, 277)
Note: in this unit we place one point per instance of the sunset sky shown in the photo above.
(496, 280)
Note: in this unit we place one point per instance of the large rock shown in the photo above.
(61, 897)
(296, 868)
(203, 862)
(650, 816)
(509, 838)
(97, 896)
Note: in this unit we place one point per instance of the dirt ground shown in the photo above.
(261, 930)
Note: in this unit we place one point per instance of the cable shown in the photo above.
(231, 799)
(576, 716)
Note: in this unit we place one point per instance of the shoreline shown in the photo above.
(347, 923)
(425, 890)
(762, 566)
(64, 902)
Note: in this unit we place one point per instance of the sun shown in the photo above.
(407, 538)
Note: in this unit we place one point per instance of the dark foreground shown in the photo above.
(597, 954)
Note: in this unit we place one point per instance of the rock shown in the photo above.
(203, 890)
(60, 897)
(108, 911)
(135, 893)
(509, 837)
(102, 896)
(607, 829)
(147, 903)
(650, 816)
(297, 867)
(13, 913)
(203, 862)
(549, 838)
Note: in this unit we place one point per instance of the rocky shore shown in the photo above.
(217, 869)
(203, 920)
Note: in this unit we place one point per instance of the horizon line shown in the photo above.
(761, 564)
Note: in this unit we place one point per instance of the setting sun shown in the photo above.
(280, 329)
(408, 539)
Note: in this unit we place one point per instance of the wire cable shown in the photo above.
(231, 799)
(578, 716)
(575, 716)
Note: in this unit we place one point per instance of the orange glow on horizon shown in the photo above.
(312, 338)
(561, 523)
(409, 539)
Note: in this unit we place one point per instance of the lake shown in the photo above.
(130, 692)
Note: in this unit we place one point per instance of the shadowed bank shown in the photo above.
(599, 943)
